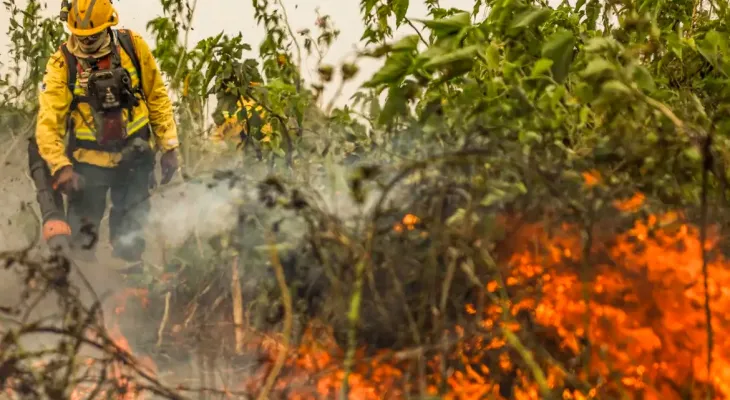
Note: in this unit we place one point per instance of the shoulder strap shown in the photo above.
(71, 70)
(125, 40)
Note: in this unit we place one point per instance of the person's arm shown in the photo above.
(54, 100)
(162, 118)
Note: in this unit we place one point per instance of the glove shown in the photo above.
(168, 166)
(67, 180)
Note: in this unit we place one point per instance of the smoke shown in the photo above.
(205, 205)
(208, 203)
(200, 208)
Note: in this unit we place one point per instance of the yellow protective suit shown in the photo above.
(232, 127)
(55, 100)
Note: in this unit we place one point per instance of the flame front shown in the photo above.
(629, 322)
(641, 313)
(634, 323)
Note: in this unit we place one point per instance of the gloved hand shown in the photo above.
(168, 166)
(67, 180)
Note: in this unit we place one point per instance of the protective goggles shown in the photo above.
(91, 39)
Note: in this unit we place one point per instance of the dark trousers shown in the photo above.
(129, 186)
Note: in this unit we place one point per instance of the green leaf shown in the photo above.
(541, 66)
(714, 48)
(593, 10)
(559, 49)
(455, 69)
(509, 69)
(395, 105)
(431, 53)
(493, 197)
(456, 218)
(529, 137)
(597, 68)
(374, 108)
(674, 43)
(530, 18)
(599, 44)
(400, 8)
(396, 66)
(616, 88)
(280, 85)
(446, 26)
(464, 54)
(492, 56)
(520, 186)
(377, 52)
(693, 154)
(407, 43)
(448, 42)
(643, 78)
(584, 114)
(699, 107)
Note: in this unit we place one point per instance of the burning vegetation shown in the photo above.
(519, 308)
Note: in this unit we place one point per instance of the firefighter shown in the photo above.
(239, 119)
(104, 113)
(238, 124)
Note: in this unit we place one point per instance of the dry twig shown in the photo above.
(288, 318)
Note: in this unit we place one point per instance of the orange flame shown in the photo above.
(637, 313)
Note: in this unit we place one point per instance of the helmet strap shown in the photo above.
(116, 57)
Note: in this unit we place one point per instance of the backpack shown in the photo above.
(125, 40)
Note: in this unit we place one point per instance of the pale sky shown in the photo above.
(233, 16)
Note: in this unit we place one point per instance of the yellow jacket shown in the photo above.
(231, 128)
(55, 100)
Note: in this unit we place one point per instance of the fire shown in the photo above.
(591, 178)
(628, 321)
(124, 387)
(314, 369)
(123, 297)
(642, 314)
(635, 315)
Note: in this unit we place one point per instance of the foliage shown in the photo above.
(21, 77)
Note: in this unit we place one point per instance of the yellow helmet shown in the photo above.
(89, 17)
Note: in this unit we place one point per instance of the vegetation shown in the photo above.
(535, 208)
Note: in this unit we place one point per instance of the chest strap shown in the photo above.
(144, 133)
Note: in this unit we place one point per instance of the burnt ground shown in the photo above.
(15, 189)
